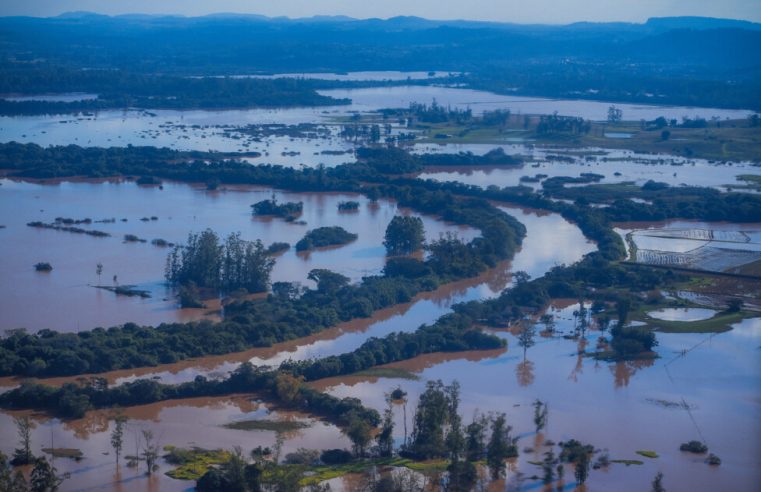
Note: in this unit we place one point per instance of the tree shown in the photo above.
(23, 455)
(150, 452)
(431, 415)
(404, 235)
(99, 271)
(500, 446)
(385, 437)
(657, 485)
(548, 321)
(360, 434)
(10, 481)
(43, 477)
(328, 282)
(548, 467)
(117, 436)
(475, 439)
(287, 387)
(526, 332)
(615, 115)
(540, 415)
(581, 469)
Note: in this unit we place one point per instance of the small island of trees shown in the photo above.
(404, 235)
(272, 207)
(325, 236)
(207, 262)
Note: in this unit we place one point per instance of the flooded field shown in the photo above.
(716, 247)
(184, 423)
(34, 300)
(701, 386)
(205, 130)
(621, 407)
(616, 166)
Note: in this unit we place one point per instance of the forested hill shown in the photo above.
(245, 43)
(682, 61)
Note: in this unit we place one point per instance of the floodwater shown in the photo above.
(371, 98)
(373, 75)
(64, 97)
(35, 300)
(205, 130)
(682, 314)
(617, 166)
(620, 407)
(183, 423)
(536, 257)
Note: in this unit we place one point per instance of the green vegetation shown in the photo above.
(325, 236)
(72, 453)
(207, 263)
(288, 210)
(387, 372)
(348, 206)
(192, 464)
(43, 266)
(628, 462)
(404, 235)
(717, 324)
(648, 454)
(696, 447)
(267, 425)
(122, 90)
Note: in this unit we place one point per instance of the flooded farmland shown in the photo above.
(700, 386)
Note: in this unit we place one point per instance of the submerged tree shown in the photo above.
(526, 333)
(501, 446)
(150, 452)
(385, 437)
(117, 436)
(43, 477)
(657, 483)
(23, 455)
(540, 414)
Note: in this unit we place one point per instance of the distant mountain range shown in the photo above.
(690, 60)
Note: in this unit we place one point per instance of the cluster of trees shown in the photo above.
(495, 157)
(43, 478)
(404, 235)
(439, 432)
(272, 207)
(118, 89)
(555, 124)
(207, 262)
(325, 236)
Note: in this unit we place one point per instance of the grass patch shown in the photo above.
(319, 474)
(721, 322)
(267, 425)
(193, 463)
(387, 372)
(647, 454)
(628, 462)
(72, 453)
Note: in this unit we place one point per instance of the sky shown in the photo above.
(518, 11)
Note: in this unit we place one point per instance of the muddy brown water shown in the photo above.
(621, 407)
(35, 300)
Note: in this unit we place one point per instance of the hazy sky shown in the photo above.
(521, 11)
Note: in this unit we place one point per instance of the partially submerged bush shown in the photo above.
(696, 447)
